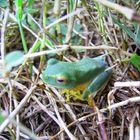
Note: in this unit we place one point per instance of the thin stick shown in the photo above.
(137, 132)
(66, 47)
(17, 120)
(104, 47)
(131, 128)
(44, 52)
(3, 36)
(127, 84)
(123, 103)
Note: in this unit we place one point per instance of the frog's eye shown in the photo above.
(61, 80)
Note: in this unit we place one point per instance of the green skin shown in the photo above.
(69, 75)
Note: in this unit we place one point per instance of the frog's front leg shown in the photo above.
(98, 83)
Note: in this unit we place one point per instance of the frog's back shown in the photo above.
(89, 64)
(88, 68)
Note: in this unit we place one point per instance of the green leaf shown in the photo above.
(1, 118)
(30, 3)
(124, 27)
(3, 3)
(135, 35)
(19, 9)
(135, 60)
(13, 59)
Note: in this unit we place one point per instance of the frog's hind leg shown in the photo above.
(97, 84)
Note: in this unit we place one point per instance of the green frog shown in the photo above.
(88, 74)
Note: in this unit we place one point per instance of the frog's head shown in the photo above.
(57, 74)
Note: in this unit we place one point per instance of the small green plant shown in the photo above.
(1, 118)
(135, 60)
(11, 60)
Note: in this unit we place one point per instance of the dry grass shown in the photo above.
(29, 103)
